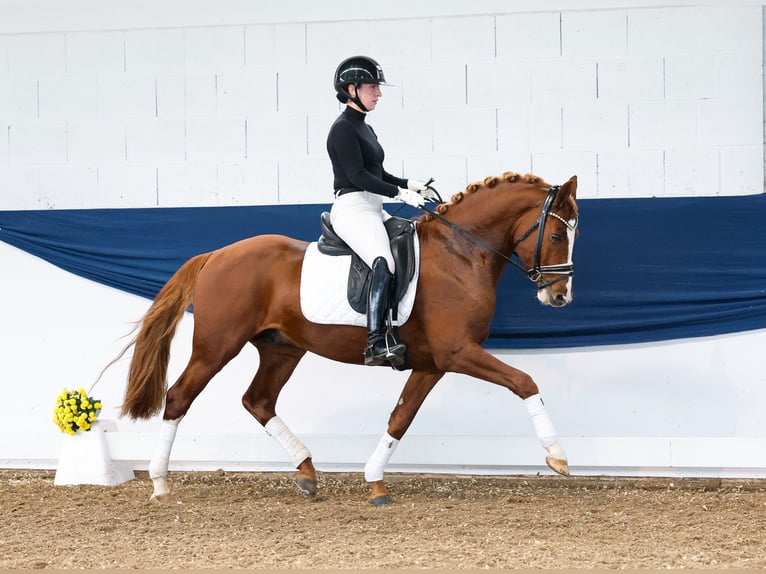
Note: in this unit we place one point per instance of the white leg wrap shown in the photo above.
(288, 441)
(158, 466)
(373, 470)
(543, 424)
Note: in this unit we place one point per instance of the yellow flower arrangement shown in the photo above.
(75, 411)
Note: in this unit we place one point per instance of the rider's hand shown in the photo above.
(411, 197)
(415, 185)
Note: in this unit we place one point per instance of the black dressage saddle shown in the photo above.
(401, 233)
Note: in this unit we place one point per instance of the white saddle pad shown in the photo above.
(324, 283)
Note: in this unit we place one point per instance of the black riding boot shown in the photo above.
(381, 348)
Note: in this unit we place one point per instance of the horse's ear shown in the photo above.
(569, 189)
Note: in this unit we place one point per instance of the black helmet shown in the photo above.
(356, 70)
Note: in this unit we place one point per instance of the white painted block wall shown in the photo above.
(639, 100)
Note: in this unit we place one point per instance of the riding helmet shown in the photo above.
(356, 70)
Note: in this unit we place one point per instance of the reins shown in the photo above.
(535, 273)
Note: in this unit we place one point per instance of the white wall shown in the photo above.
(126, 104)
(123, 104)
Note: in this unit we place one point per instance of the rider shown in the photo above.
(361, 184)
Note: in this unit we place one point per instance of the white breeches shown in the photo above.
(358, 218)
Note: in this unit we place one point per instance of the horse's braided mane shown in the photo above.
(487, 182)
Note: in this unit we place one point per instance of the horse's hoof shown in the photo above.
(382, 500)
(558, 465)
(306, 485)
(162, 499)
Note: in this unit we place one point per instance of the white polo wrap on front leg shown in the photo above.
(373, 470)
(543, 424)
(293, 447)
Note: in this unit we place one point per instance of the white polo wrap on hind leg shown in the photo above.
(543, 424)
(158, 466)
(293, 447)
(373, 470)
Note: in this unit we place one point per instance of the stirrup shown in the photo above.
(393, 353)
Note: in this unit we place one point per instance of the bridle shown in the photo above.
(536, 272)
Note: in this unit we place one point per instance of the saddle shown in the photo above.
(401, 235)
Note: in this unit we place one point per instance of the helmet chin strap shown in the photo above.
(356, 100)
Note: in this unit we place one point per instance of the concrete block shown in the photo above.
(563, 81)
(513, 131)
(249, 182)
(448, 170)
(246, 93)
(692, 77)
(154, 51)
(214, 49)
(127, 97)
(259, 46)
(500, 83)
(631, 173)
(729, 28)
(662, 31)
(658, 125)
(558, 167)
(4, 134)
(400, 42)
(594, 33)
(741, 74)
(276, 136)
(68, 98)
(153, 140)
(305, 180)
(463, 39)
(528, 36)
(319, 126)
(3, 56)
(215, 139)
(187, 184)
(25, 183)
(730, 122)
(464, 131)
(692, 172)
(68, 187)
(290, 44)
(595, 127)
(294, 94)
(18, 99)
(404, 131)
(36, 55)
(631, 79)
(127, 185)
(437, 86)
(545, 128)
(200, 95)
(479, 167)
(742, 170)
(95, 141)
(171, 96)
(37, 142)
(331, 42)
(95, 53)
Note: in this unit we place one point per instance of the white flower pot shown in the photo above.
(85, 459)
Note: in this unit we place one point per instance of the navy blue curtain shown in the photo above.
(646, 269)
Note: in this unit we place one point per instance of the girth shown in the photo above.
(401, 234)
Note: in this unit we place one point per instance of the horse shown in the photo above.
(249, 292)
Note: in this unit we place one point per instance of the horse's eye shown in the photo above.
(556, 237)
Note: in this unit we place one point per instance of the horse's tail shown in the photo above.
(147, 378)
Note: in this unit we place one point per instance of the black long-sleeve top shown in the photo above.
(357, 156)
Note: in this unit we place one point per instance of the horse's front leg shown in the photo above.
(474, 361)
(416, 389)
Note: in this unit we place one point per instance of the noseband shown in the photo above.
(535, 273)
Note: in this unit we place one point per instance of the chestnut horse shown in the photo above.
(249, 291)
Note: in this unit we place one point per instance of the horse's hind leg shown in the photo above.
(277, 363)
